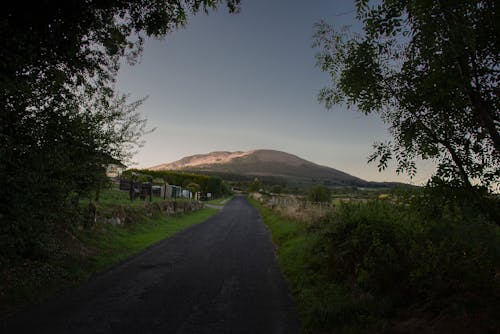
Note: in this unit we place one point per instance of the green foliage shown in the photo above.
(193, 187)
(255, 185)
(104, 247)
(430, 69)
(323, 304)
(114, 243)
(402, 257)
(372, 264)
(112, 197)
(61, 120)
(319, 194)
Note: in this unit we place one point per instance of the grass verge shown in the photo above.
(220, 201)
(319, 300)
(86, 253)
(383, 267)
(113, 244)
(294, 249)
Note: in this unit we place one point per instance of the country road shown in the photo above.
(219, 276)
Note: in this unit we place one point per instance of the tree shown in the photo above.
(193, 187)
(61, 119)
(215, 186)
(431, 70)
(319, 194)
(255, 185)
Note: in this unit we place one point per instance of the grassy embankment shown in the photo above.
(418, 266)
(113, 244)
(84, 252)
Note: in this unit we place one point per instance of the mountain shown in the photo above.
(266, 164)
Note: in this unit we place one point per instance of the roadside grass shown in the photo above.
(295, 249)
(113, 244)
(379, 267)
(313, 293)
(85, 253)
(220, 201)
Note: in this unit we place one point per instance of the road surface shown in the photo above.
(219, 276)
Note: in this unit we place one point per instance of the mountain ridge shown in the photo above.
(266, 163)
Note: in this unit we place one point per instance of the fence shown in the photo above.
(297, 208)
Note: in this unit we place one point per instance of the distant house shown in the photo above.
(186, 194)
(173, 191)
(115, 169)
(176, 192)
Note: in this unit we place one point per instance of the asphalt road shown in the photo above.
(219, 276)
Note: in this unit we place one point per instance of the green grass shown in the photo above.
(87, 253)
(220, 201)
(114, 243)
(113, 196)
(294, 249)
(374, 266)
(322, 303)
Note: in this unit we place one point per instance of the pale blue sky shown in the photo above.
(249, 81)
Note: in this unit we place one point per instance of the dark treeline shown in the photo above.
(61, 119)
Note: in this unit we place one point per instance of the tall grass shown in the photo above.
(383, 266)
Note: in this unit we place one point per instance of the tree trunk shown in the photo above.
(454, 156)
(458, 162)
(486, 121)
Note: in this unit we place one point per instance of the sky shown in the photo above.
(238, 82)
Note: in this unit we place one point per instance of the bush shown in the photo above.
(388, 251)
(319, 194)
(429, 259)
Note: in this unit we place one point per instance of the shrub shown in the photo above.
(388, 250)
(431, 259)
(319, 194)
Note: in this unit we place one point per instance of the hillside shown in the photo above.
(266, 164)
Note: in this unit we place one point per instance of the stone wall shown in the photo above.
(123, 214)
